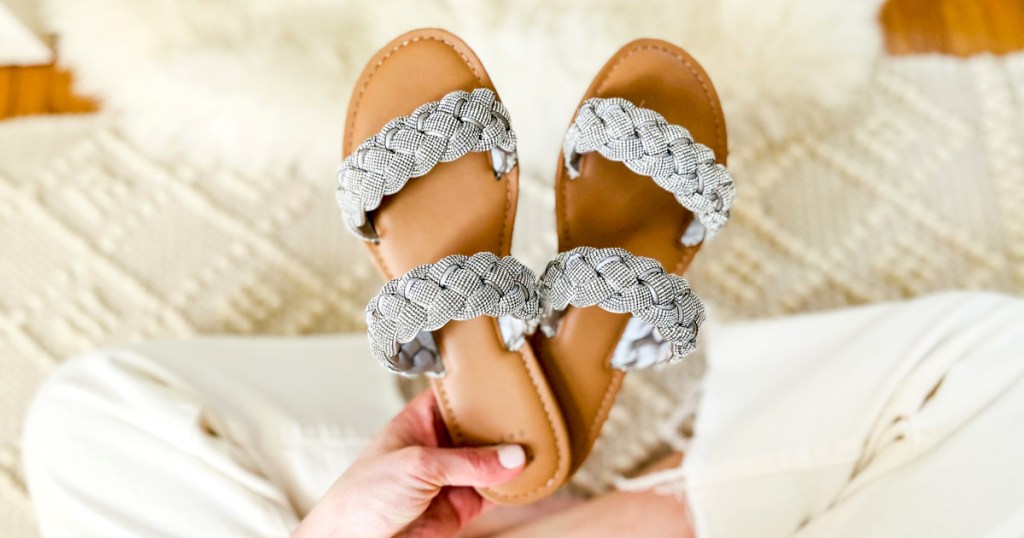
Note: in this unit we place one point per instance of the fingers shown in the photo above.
(447, 514)
(423, 406)
(477, 467)
(467, 504)
(416, 424)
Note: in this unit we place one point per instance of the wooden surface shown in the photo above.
(38, 90)
(959, 27)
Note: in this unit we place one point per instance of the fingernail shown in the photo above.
(511, 456)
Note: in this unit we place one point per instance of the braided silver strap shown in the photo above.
(620, 282)
(410, 146)
(456, 287)
(649, 145)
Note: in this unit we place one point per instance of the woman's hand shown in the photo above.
(406, 484)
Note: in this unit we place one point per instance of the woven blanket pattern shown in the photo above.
(919, 188)
(646, 143)
(453, 288)
(410, 146)
(618, 281)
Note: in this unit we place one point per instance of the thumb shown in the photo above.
(468, 466)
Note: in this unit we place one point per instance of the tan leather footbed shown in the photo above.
(488, 394)
(610, 206)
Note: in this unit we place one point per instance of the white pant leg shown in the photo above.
(210, 437)
(891, 420)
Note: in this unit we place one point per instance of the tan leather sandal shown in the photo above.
(430, 182)
(637, 192)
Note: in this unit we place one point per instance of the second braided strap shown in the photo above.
(620, 282)
(456, 287)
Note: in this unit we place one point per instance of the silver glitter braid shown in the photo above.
(620, 282)
(410, 146)
(456, 287)
(650, 146)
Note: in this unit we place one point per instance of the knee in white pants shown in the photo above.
(95, 405)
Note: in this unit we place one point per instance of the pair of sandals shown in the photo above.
(459, 309)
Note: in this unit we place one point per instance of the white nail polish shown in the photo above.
(511, 456)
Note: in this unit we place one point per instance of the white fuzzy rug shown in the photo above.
(201, 200)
